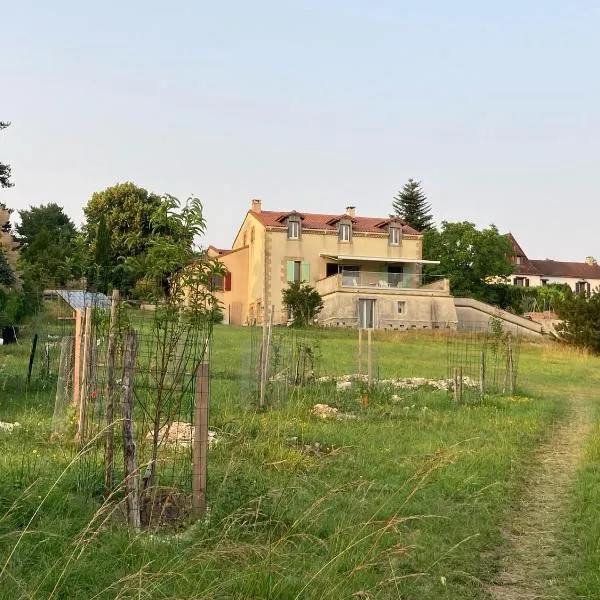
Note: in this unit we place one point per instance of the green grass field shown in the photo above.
(408, 499)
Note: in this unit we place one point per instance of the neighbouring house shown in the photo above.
(579, 276)
(368, 270)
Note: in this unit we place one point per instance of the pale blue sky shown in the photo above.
(312, 106)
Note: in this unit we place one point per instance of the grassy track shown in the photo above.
(406, 500)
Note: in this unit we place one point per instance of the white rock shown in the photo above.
(8, 426)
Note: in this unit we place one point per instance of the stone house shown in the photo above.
(368, 270)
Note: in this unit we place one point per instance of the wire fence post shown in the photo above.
(111, 385)
(360, 357)
(200, 447)
(369, 356)
(77, 357)
(482, 373)
(129, 447)
(63, 387)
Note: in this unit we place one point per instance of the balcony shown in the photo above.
(381, 282)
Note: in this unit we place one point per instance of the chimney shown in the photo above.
(351, 211)
(590, 260)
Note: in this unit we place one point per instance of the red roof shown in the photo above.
(554, 268)
(270, 218)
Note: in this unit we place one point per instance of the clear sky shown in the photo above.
(312, 106)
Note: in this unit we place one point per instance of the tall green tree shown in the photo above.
(138, 220)
(468, 256)
(102, 256)
(50, 217)
(7, 275)
(46, 235)
(4, 169)
(412, 207)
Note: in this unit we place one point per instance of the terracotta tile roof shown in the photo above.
(578, 270)
(527, 268)
(270, 218)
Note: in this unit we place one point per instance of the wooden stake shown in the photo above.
(369, 357)
(129, 450)
(85, 374)
(111, 385)
(200, 447)
(77, 357)
(482, 374)
(264, 366)
(359, 351)
(511, 374)
(62, 385)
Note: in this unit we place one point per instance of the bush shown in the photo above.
(580, 315)
(303, 303)
(520, 300)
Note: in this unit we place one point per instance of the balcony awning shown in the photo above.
(383, 259)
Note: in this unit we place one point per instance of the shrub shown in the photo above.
(303, 303)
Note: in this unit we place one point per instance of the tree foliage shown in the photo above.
(4, 169)
(303, 303)
(580, 319)
(7, 276)
(102, 253)
(47, 235)
(50, 217)
(140, 224)
(468, 256)
(412, 207)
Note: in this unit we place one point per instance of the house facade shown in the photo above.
(579, 276)
(368, 270)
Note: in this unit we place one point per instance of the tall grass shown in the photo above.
(405, 500)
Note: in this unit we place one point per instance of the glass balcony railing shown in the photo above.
(355, 279)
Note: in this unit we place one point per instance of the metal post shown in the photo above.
(200, 447)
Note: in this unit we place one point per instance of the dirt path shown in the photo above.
(529, 570)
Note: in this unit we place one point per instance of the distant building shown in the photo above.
(367, 269)
(579, 276)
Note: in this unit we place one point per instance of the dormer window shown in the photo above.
(293, 228)
(345, 231)
(395, 235)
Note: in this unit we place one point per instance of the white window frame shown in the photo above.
(345, 233)
(394, 235)
(293, 229)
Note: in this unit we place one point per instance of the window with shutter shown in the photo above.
(228, 282)
(305, 271)
(290, 271)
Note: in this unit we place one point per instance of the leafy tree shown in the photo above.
(4, 169)
(412, 207)
(303, 303)
(468, 256)
(137, 221)
(47, 237)
(50, 217)
(580, 316)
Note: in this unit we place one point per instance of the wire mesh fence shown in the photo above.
(483, 360)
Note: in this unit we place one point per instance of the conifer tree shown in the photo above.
(102, 256)
(411, 206)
